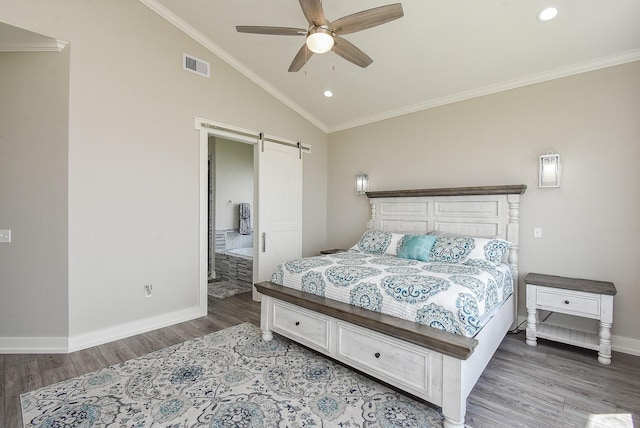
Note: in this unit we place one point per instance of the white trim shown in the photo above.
(223, 55)
(110, 334)
(33, 345)
(223, 130)
(242, 135)
(42, 45)
(532, 79)
(596, 64)
(61, 345)
(205, 128)
(625, 345)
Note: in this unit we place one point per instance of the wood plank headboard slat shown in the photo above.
(516, 189)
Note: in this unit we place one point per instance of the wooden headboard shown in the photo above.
(487, 211)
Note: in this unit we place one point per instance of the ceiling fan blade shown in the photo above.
(277, 31)
(301, 58)
(367, 18)
(351, 53)
(312, 10)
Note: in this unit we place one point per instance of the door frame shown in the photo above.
(206, 128)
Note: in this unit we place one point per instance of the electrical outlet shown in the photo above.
(5, 236)
(537, 232)
(148, 290)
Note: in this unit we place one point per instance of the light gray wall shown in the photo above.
(133, 153)
(34, 117)
(590, 224)
(234, 180)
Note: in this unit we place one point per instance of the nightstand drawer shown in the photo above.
(566, 301)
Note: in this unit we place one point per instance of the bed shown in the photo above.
(433, 364)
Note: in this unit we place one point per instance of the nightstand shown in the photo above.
(576, 297)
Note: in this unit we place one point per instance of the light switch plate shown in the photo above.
(5, 236)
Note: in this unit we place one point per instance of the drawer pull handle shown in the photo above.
(297, 322)
(566, 302)
(377, 355)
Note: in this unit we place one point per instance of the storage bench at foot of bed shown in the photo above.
(409, 367)
(431, 364)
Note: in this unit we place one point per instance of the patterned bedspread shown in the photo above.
(458, 298)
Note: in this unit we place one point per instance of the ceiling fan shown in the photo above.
(324, 35)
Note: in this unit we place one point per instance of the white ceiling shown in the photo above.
(441, 51)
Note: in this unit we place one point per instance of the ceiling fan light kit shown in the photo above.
(320, 40)
(324, 35)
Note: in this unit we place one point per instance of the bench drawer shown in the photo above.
(377, 353)
(304, 326)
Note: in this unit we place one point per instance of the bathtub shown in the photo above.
(243, 252)
(235, 265)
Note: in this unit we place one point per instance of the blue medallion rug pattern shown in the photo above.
(231, 378)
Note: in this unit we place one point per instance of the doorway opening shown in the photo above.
(230, 217)
(277, 201)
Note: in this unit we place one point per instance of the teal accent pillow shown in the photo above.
(417, 247)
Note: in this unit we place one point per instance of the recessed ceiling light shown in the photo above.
(548, 14)
(328, 94)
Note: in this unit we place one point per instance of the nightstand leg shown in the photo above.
(532, 321)
(604, 353)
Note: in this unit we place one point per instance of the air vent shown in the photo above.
(195, 65)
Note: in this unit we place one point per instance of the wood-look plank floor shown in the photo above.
(551, 385)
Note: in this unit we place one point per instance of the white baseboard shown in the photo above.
(623, 344)
(63, 345)
(34, 345)
(106, 335)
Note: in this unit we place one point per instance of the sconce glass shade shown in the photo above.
(362, 183)
(319, 40)
(549, 170)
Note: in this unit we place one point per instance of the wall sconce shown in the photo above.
(549, 170)
(362, 183)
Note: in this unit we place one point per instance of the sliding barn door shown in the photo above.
(279, 216)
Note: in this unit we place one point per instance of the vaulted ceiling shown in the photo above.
(440, 51)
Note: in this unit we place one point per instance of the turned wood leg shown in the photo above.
(267, 335)
(450, 423)
(604, 353)
(265, 316)
(532, 321)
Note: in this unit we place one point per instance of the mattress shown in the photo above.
(456, 297)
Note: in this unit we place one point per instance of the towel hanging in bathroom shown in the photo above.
(245, 218)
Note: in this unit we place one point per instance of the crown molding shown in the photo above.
(532, 79)
(223, 55)
(40, 45)
(605, 62)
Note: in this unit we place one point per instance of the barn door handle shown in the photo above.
(264, 242)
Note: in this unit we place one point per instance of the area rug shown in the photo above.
(224, 289)
(230, 378)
